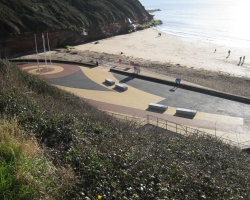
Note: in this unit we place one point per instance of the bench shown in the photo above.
(109, 81)
(186, 111)
(178, 80)
(121, 87)
(158, 106)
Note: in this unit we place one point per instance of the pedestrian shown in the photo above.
(139, 70)
(215, 51)
(243, 60)
(239, 61)
(228, 53)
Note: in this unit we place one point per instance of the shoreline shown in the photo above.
(175, 50)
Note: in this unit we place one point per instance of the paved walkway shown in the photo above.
(88, 83)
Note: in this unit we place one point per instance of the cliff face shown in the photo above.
(25, 42)
(65, 21)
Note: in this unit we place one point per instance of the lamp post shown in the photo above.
(37, 55)
(44, 48)
(49, 48)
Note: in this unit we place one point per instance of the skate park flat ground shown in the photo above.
(218, 116)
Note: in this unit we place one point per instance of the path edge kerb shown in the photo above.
(187, 86)
(55, 61)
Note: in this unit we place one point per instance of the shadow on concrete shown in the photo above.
(127, 79)
(118, 90)
(155, 110)
(77, 80)
(93, 67)
(173, 89)
(184, 116)
(107, 84)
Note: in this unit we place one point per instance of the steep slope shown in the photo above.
(20, 19)
(80, 152)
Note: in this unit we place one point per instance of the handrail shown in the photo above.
(176, 128)
(238, 144)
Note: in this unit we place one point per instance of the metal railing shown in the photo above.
(174, 127)
(186, 130)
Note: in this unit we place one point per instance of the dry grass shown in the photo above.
(33, 176)
(9, 131)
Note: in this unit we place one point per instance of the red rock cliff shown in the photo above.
(64, 21)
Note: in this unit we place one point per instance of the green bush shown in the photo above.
(25, 171)
(18, 16)
(94, 154)
(148, 25)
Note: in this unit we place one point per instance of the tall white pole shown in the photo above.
(37, 55)
(49, 48)
(44, 48)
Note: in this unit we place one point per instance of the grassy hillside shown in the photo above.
(18, 16)
(55, 146)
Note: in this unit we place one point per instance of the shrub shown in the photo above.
(25, 171)
(81, 152)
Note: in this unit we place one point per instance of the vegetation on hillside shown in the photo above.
(26, 172)
(18, 16)
(153, 10)
(60, 147)
(148, 25)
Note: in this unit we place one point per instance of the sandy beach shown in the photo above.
(191, 60)
(167, 48)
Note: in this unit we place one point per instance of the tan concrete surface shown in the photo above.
(34, 69)
(135, 98)
(132, 97)
(98, 75)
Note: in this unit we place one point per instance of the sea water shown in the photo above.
(225, 22)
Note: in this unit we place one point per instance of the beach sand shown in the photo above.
(189, 59)
(175, 50)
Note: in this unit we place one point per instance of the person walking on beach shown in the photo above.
(215, 51)
(243, 60)
(228, 53)
(239, 61)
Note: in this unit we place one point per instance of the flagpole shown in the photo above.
(49, 48)
(37, 54)
(44, 48)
